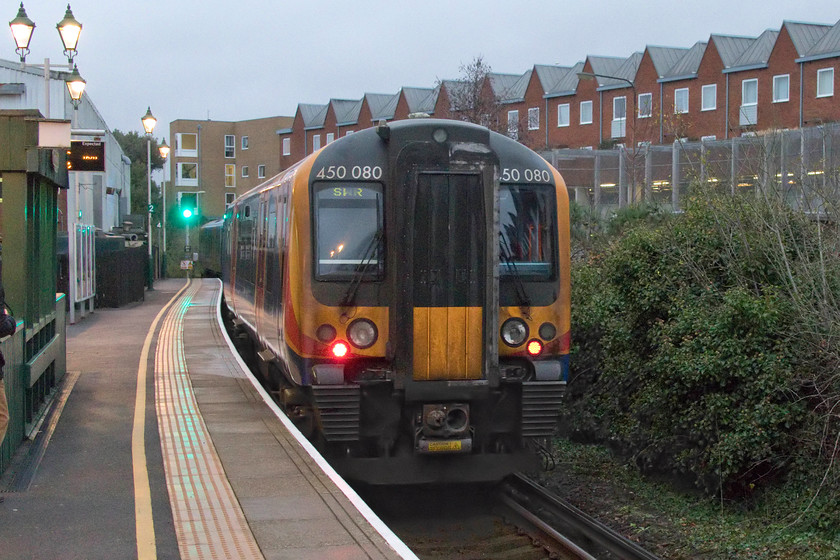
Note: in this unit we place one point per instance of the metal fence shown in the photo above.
(799, 165)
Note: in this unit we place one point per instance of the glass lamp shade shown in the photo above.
(22, 28)
(75, 84)
(164, 149)
(69, 29)
(149, 121)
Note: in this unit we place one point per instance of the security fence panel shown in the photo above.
(660, 179)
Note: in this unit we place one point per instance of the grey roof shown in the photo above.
(757, 54)
(418, 99)
(664, 58)
(606, 65)
(805, 35)
(346, 110)
(730, 48)
(549, 75)
(567, 85)
(382, 105)
(626, 70)
(509, 87)
(687, 66)
(455, 88)
(313, 115)
(827, 46)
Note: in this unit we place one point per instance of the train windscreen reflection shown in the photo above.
(347, 219)
(527, 232)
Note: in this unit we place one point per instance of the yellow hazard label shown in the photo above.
(445, 445)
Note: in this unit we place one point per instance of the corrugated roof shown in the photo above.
(516, 91)
(730, 48)
(805, 35)
(664, 58)
(455, 88)
(757, 54)
(626, 70)
(346, 110)
(382, 105)
(827, 46)
(508, 87)
(549, 75)
(313, 115)
(567, 85)
(417, 99)
(686, 67)
(428, 105)
(606, 65)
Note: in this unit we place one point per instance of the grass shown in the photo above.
(682, 525)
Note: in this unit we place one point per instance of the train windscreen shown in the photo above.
(527, 232)
(348, 226)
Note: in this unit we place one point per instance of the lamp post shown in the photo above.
(149, 122)
(164, 153)
(592, 76)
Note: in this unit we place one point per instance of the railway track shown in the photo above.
(549, 519)
(514, 520)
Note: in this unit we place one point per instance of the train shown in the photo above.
(405, 295)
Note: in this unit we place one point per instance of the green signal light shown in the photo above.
(188, 213)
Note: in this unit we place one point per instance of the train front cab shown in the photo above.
(461, 277)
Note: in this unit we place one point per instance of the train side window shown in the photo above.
(348, 221)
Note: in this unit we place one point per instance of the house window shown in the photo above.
(244, 170)
(187, 174)
(230, 175)
(534, 118)
(781, 88)
(229, 198)
(287, 146)
(261, 171)
(825, 82)
(186, 144)
(708, 97)
(330, 137)
(681, 100)
(244, 142)
(619, 121)
(316, 142)
(513, 124)
(230, 146)
(749, 102)
(585, 112)
(563, 114)
(349, 132)
(645, 104)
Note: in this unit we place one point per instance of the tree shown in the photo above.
(134, 146)
(471, 96)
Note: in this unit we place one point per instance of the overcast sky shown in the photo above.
(246, 59)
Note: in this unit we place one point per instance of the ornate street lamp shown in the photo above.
(164, 153)
(76, 86)
(69, 29)
(22, 28)
(149, 122)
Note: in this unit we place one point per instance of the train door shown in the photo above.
(261, 243)
(449, 276)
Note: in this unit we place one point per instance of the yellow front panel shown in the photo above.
(447, 343)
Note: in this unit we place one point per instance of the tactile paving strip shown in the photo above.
(209, 523)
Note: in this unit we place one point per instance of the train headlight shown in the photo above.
(362, 333)
(514, 332)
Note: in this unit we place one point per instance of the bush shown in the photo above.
(688, 354)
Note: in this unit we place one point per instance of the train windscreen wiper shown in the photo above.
(362, 269)
(519, 285)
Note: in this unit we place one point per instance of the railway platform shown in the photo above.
(159, 444)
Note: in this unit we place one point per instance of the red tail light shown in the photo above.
(535, 348)
(339, 349)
